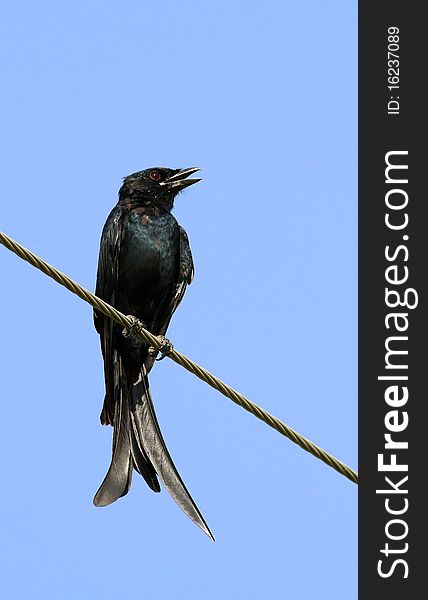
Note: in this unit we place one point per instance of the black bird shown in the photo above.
(145, 265)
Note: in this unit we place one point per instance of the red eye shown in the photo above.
(155, 175)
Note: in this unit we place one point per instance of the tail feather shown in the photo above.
(118, 479)
(141, 462)
(145, 424)
(138, 444)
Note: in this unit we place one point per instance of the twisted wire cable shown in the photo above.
(132, 324)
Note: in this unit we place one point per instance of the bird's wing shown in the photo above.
(108, 262)
(106, 288)
(185, 275)
(186, 272)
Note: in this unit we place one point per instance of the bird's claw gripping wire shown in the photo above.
(165, 348)
(134, 328)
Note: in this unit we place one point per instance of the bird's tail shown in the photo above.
(138, 443)
(127, 453)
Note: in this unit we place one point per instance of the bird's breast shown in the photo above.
(149, 254)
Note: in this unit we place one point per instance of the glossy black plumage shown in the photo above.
(145, 265)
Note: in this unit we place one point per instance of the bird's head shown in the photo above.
(158, 185)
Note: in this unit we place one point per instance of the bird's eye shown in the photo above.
(155, 175)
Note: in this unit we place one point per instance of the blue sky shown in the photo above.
(262, 97)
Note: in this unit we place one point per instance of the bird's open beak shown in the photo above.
(179, 180)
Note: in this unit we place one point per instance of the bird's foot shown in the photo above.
(165, 348)
(134, 328)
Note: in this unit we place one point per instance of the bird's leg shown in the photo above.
(165, 348)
